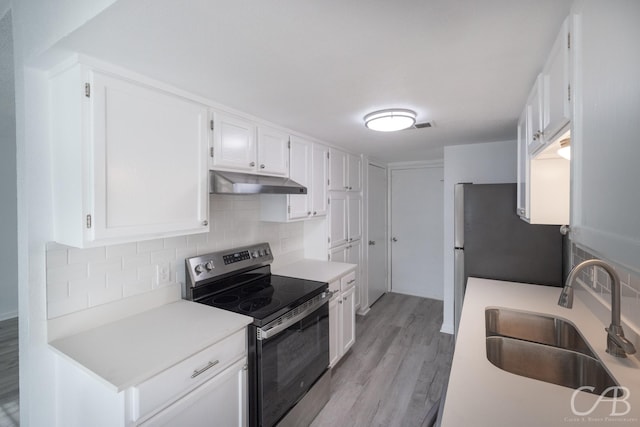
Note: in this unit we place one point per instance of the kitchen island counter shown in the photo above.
(481, 394)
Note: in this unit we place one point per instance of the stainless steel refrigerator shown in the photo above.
(492, 242)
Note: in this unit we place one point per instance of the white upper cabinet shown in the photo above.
(299, 205)
(240, 145)
(354, 212)
(129, 159)
(234, 143)
(338, 219)
(273, 152)
(308, 167)
(557, 87)
(319, 178)
(337, 170)
(535, 115)
(605, 207)
(345, 171)
(354, 172)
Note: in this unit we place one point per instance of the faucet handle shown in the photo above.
(617, 344)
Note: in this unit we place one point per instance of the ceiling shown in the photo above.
(318, 67)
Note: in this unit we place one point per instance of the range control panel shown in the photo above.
(210, 266)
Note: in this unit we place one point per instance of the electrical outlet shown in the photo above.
(163, 273)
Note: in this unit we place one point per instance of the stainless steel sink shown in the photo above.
(545, 348)
(533, 327)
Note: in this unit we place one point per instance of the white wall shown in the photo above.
(37, 25)
(494, 162)
(8, 207)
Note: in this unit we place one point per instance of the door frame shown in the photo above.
(364, 296)
(390, 168)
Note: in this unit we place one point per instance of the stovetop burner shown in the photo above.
(240, 280)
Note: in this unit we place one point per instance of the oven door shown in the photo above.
(290, 357)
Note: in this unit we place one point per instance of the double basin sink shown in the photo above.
(545, 348)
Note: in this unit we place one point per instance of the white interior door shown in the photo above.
(377, 232)
(417, 231)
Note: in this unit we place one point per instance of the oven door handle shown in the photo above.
(294, 316)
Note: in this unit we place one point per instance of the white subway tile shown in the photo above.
(57, 308)
(163, 256)
(135, 261)
(150, 245)
(77, 256)
(57, 258)
(67, 272)
(138, 287)
(118, 251)
(102, 268)
(101, 293)
(196, 239)
(179, 242)
(121, 278)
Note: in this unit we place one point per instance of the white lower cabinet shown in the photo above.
(223, 399)
(342, 317)
(211, 384)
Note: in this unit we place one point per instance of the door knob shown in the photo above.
(372, 242)
(394, 239)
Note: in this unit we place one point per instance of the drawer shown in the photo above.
(167, 386)
(334, 286)
(348, 281)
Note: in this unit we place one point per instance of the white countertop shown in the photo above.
(481, 394)
(128, 351)
(311, 269)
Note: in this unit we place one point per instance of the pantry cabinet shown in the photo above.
(345, 171)
(129, 159)
(557, 86)
(240, 145)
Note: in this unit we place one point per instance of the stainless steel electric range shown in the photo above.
(288, 340)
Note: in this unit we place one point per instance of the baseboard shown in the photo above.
(8, 315)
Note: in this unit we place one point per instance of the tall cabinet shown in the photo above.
(345, 212)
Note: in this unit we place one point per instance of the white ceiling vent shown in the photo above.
(423, 125)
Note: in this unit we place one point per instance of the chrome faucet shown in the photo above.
(617, 344)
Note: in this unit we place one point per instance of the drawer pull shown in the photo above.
(209, 366)
(351, 281)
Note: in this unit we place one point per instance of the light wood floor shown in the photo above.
(395, 371)
(9, 396)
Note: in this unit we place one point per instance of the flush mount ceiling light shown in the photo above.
(390, 120)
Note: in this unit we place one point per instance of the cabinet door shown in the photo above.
(354, 256)
(234, 144)
(300, 172)
(535, 126)
(354, 212)
(337, 219)
(523, 167)
(354, 169)
(337, 170)
(338, 254)
(273, 152)
(556, 86)
(223, 399)
(149, 169)
(334, 330)
(319, 170)
(348, 319)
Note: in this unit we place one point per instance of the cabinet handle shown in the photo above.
(395, 239)
(309, 213)
(261, 166)
(205, 222)
(351, 281)
(340, 301)
(209, 366)
(252, 164)
(314, 212)
(350, 188)
(346, 187)
(372, 242)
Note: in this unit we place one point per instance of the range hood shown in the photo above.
(244, 183)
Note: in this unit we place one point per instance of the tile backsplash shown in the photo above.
(78, 279)
(600, 283)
